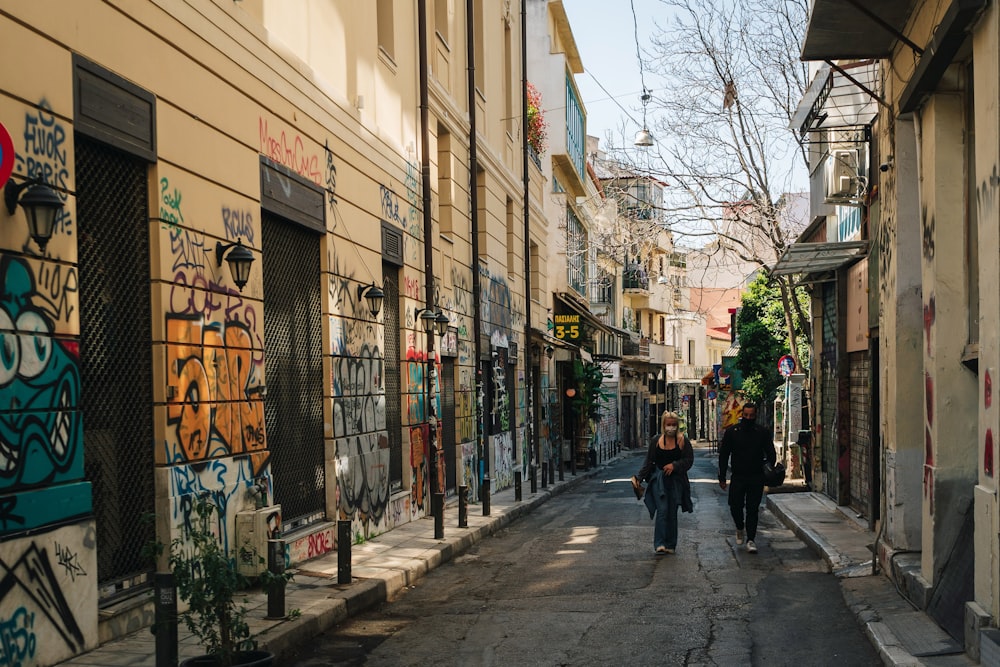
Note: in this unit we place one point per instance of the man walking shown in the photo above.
(748, 445)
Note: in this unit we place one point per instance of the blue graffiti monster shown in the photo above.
(41, 430)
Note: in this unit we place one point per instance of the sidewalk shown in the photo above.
(901, 634)
(380, 568)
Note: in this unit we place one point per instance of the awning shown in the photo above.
(840, 30)
(580, 308)
(834, 101)
(814, 259)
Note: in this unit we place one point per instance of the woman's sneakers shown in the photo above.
(740, 535)
(751, 547)
(637, 487)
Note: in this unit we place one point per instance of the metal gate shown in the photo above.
(828, 366)
(448, 423)
(860, 433)
(116, 368)
(293, 363)
(393, 386)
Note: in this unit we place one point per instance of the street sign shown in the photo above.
(712, 394)
(786, 365)
(6, 155)
(567, 327)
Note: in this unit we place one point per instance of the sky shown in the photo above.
(605, 35)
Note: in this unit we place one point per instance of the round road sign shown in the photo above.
(6, 155)
(786, 365)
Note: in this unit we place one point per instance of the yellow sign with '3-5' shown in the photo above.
(567, 327)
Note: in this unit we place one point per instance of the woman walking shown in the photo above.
(667, 462)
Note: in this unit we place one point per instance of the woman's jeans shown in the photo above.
(665, 522)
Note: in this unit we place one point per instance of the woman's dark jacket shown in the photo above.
(681, 466)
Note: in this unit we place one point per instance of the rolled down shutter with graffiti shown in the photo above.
(293, 364)
(116, 364)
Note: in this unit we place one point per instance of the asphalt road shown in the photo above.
(576, 582)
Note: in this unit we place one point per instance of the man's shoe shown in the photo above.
(751, 547)
(668, 551)
(662, 550)
(739, 536)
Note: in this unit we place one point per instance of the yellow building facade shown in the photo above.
(140, 375)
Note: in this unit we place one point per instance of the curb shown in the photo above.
(885, 642)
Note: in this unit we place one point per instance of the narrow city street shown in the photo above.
(577, 583)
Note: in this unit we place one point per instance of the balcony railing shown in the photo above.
(635, 348)
(635, 278)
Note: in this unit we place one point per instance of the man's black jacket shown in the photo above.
(748, 445)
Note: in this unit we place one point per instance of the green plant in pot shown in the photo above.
(208, 580)
(588, 379)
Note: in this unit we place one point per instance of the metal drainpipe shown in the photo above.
(470, 36)
(425, 183)
(534, 447)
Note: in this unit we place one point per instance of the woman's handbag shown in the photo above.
(637, 488)
(774, 475)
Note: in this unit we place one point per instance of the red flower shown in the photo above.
(537, 127)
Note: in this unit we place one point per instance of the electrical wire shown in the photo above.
(638, 50)
(638, 54)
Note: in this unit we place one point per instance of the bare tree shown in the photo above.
(726, 78)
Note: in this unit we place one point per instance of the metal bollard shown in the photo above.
(463, 506)
(165, 621)
(276, 592)
(517, 485)
(545, 474)
(343, 552)
(486, 496)
(437, 507)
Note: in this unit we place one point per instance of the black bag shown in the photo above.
(774, 475)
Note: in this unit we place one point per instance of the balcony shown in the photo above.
(660, 353)
(636, 348)
(635, 280)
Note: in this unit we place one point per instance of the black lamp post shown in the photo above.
(40, 203)
(433, 323)
(239, 258)
(442, 323)
(375, 296)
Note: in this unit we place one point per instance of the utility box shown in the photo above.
(253, 530)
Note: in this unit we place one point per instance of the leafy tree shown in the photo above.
(726, 80)
(761, 327)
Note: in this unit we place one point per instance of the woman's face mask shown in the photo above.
(671, 430)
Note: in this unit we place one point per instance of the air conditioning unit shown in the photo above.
(842, 175)
(253, 530)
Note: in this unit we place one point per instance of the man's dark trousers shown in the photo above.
(746, 492)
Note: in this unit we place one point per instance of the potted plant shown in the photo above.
(209, 582)
(586, 403)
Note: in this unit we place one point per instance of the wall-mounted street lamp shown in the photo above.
(239, 259)
(442, 323)
(432, 321)
(375, 296)
(40, 203)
